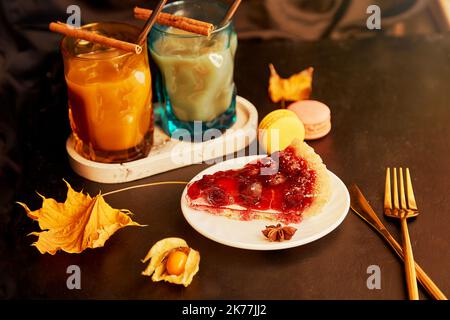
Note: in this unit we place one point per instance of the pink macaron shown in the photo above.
(316, 117)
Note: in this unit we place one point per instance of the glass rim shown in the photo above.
(158, 28)
(66, 52)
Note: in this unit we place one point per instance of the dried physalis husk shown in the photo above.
(296, 87)
(160, 255)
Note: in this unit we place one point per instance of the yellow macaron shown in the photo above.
(278, 129)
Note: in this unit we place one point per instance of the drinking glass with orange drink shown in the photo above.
(110, 96)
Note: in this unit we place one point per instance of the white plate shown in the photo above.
(247, 234)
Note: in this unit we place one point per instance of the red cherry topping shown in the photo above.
(288, 190)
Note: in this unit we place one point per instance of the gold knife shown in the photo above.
(363, 209)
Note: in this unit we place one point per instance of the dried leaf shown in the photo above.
(80, 222)
(296, 87)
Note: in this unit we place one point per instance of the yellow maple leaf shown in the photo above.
(296, 87)
(80, 222)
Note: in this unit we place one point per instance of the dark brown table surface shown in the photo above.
(390, 102)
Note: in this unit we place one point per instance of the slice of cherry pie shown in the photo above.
(286, 186)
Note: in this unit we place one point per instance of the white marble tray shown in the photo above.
(168, 154)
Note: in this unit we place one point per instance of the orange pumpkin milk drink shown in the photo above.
(109, 92)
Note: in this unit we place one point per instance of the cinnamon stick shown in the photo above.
(94, 37)
(230, 13)
(179, 22)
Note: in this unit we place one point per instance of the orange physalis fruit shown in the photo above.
(80, 222)
(176, 262)
(296, 87)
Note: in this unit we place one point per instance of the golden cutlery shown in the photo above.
(363, 209)
(403, 211)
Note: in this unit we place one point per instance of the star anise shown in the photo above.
(279, 233)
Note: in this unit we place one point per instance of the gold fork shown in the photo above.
(407, 208)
